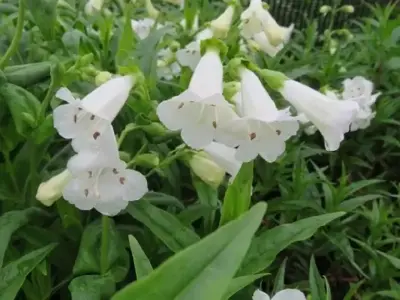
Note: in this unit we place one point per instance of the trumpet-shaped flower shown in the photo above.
(264, 44)
(287, 294)
(202, 108)
(102, 181)
(262, 129)
(331, 117)
(256, 19)
(190, 55)
(86, 120)
(221, 25)
(51, 190)
(143, 27)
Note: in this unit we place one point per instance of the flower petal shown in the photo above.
(260, 295)
(64, 117)
(111, 208)
(197, 136)
(224, 157)
(135, 187)
(66, 95)
(74, 193)
(289, 294)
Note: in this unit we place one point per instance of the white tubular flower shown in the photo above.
(101, 180)
(256, 19)
(51, 190)
(224, 157)
(85, 121)
(331, 117)
(262, 129)
(221, 25)
(190, 55)
(167, 67)
(207, 169)
(287, 294)
(93, 6)
(201, 109)
(143, 27)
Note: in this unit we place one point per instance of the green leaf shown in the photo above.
(392, 259)
(92, 287)
(141, 262)
(279, 282)
(266, 246)
(157, 198)
(208, 197)
(45, 16)
(13, 275)
(316, 282)
(164, 225)
(125, 54)
(202, 271)
(9, 223)
(239, 283)
(352, 204)
(238, 195)
(88, 259)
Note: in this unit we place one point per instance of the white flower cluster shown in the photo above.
(288, 294)
(97, 178)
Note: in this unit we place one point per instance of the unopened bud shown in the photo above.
(151, 10)
(93, 6)
(206, 169)
(222, 24)
(155, 129)
(149, 160)
(324, 9)
(102, 77)
(347, 9)
(51, 190)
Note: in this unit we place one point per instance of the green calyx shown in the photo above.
(274, 79)
(215, 44)
(236, 64)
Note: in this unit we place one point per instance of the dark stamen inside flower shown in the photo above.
(212, 105)
(86, 192)
(122, 180)
(96, 135)
(75, 118)
(278, 132)
(90, 174)
(214, 124)
(92, 117)
(180, 105)
(115, 171)
(252, 135)
(79, 108)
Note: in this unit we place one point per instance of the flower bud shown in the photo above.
(51, 190)
(230, 90)
(93, 6)
(324, 9)
(206, 169)
(222, 24)
(347, 9)
(151, 10)
(102, 77)
(155, 129)
(149, 160)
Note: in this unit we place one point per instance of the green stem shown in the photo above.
(11, 171)
(128, 128)
(105, 236)
(168, 161)
(47, 99)
(17, 37)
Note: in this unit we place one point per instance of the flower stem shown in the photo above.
(17, 37)
(105, 236)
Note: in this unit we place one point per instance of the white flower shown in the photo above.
(287, 294)
(86, 120)
(360, 90)
(51, 190)
(101, 180)
(143, 27)
(201, 109)
(167, 67)
(93, 6)
(331, 117)
(256, 19)
(224, 157)
(221, 25)
(262, 129)
(190, 55)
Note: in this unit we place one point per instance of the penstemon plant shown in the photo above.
(180, 150)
